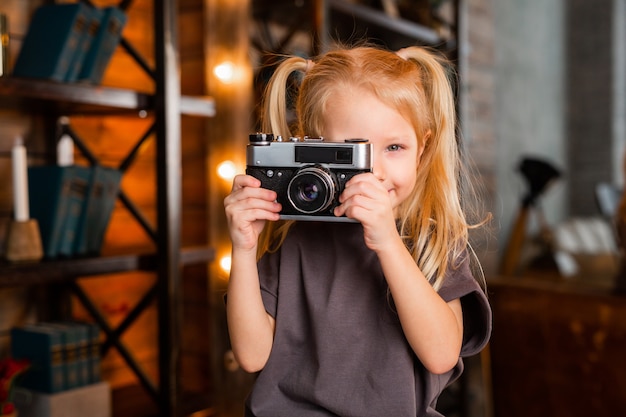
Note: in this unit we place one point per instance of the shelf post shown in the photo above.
(169, 197)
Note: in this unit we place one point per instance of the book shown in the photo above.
(81, 333)
(93, 16)
(48, 188)
(56, 194)
(106, 40)
(42, 346)
(52, 38)
(69, 343)
(98, 206)
(93, 355)
(79, 186)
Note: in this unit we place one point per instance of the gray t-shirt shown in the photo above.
(339, 349)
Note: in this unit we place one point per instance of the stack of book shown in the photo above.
(70, 42)
(62, 355)
(73, 206)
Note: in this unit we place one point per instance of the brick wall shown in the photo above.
(477, 112)
(589, 97)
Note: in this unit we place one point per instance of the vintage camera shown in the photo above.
(308, 174)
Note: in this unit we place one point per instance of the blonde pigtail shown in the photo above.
(275, 121)
(443, 225)
(437, 87)
(275, 118)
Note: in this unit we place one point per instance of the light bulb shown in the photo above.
(225, 263)
(225, 72)
(227, 170)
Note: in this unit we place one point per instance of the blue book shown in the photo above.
(48, 190)
(94, 15)
(42, 346)
(69, 342)
(81, 333)
(99, 203)
(53, 36)
(94, 358)
(103, 46)
(81, 176)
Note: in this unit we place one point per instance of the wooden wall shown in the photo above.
(110, 138)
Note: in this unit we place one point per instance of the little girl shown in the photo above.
(368, 318)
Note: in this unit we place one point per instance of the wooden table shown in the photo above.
(558, 348)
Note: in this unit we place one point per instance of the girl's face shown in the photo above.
(359, 114)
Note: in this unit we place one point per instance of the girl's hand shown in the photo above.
(365, 199)
(247, 208)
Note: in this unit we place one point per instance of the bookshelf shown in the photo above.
(354, 21)
(65, 270)
(167, 105)
(346, 21)
(67, 99)
(312, 26)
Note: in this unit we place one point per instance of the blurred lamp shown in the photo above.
(225, 72)
(227, 170)
(225, 263)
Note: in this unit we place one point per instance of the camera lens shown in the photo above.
(311, 190)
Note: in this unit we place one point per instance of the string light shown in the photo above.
(225, 263)
(227, 170)
(225, 72)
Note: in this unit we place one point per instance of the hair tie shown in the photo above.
(309, 65)
(402, 53)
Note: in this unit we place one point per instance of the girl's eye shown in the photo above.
(394, 148)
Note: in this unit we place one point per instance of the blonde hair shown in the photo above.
(415, 81)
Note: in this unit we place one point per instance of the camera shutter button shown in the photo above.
(356, 140)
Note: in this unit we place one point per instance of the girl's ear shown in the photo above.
(423, 143)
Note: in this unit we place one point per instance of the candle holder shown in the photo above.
(24, 241)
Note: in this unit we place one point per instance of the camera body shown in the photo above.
(308, 174)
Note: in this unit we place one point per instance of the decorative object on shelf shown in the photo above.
(538, 174)
(92, 400)
(10, 370)
(65, 145)
(52, 40)
(57, 194)
(103, 45)
(19, 165)
(23, 239)
(99, 202)
(72, 203)
(92, 16)
(43, 347)
(4, 45)
(64, 355)
(70, 42)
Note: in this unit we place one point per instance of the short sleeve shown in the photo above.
(269, 268)
(477, 316)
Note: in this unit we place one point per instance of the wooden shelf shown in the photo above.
(379, 25)
(48, 99)
(51, 271)
(345, 21)
(76, 98)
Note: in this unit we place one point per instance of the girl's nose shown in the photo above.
(378, 172)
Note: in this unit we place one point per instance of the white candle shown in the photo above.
(20, 181)
(65, 151)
